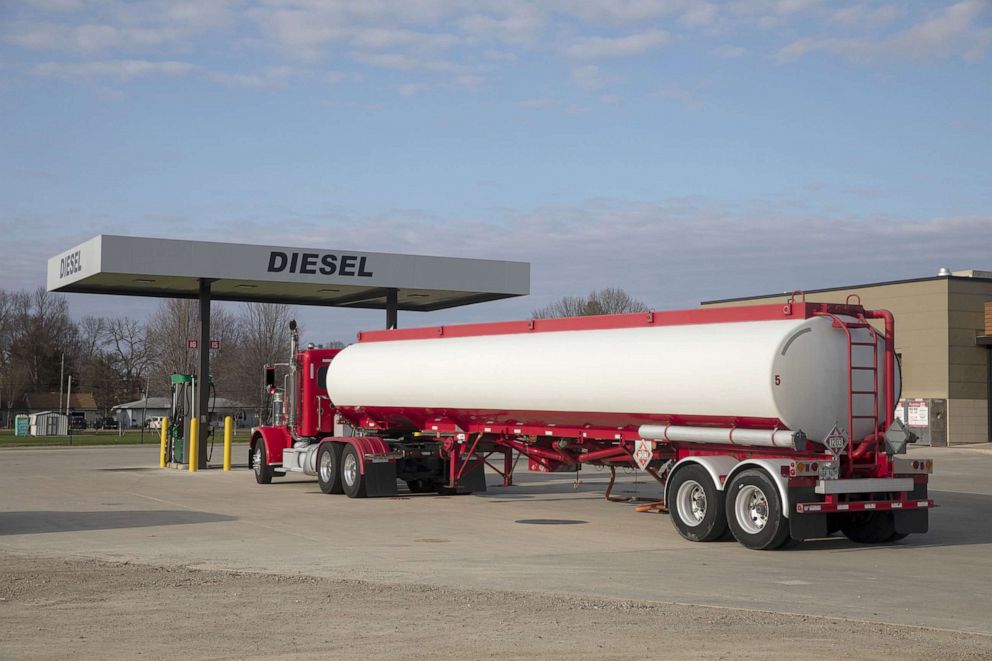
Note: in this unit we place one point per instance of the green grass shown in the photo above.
(108, 437)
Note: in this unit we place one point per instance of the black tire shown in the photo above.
(352, 479)
(328, 468)
(263, 472)
(871, 528)
(695, 505)
(421, 486)
(754, 511)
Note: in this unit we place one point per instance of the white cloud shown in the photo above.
(464, 41)
(956, 31)
(701, 14)
(681, 95)
(595, 48)
(729, 51)
(122, 70)
(592, 77)
(863, 15)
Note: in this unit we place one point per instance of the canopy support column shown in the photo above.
(202, 405)
(392, 308)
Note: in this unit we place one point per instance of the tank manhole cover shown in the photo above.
(550, 522)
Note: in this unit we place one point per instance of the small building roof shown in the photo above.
(166, 403)
(169, 268)
(81, 401)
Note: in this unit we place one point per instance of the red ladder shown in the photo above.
(847, 327)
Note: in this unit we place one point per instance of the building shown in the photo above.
(134, 414)
(82, 405)
(944, 339)
(49, 423)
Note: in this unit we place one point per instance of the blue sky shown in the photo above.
(680, 150)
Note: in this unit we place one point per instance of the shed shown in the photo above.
(49, 423)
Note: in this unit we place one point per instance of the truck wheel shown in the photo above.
(754, 511)
(695, 505)
(263, 472)
(871, 528)
(351, 473)
(328, 472)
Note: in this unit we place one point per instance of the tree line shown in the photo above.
(118, 359)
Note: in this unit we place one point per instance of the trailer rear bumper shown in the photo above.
(863, 506)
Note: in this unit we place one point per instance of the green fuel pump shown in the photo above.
(183, 387)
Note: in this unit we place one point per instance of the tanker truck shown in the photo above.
(770, 423)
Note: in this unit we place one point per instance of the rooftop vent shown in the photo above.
(943, 271)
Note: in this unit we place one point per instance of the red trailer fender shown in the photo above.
(367, 447)
(276, 439)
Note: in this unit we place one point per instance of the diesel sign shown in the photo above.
(311, 263)
(70, 264)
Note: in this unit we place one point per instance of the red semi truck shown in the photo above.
(771, 423)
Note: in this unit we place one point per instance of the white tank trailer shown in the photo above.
(769, 422)
(794, 371)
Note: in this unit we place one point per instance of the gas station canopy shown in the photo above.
(168, 268)
(139, 266)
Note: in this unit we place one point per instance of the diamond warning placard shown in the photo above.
(643, 452)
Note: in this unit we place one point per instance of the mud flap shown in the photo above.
(805, 526)
(380, 479)
(473, 481)
(913, 521)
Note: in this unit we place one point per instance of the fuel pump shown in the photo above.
(183, 388)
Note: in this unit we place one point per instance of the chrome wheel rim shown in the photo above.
(258, 460)
(691, 502)
(326, 467)
(350, 472)
(751, 509)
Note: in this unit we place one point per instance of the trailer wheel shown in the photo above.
(754, 511)
(351, 473)
(328, 472)
(871, 528)
(695, 505)
(263, 472)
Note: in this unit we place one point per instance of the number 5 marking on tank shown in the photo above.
(778, 379)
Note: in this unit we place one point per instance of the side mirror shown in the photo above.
(270, 378)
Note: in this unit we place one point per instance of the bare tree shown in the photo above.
(605, 301)
(175, 322)
(127, 341)
(264, 341)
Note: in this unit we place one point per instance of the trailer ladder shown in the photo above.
(848, 326)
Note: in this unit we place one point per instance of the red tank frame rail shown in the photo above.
(791, 310)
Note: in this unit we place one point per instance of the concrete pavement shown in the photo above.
(544, 535)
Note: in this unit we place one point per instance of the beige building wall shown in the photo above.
(967, 405)
(937, 320)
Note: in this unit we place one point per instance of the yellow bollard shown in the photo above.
(165, 442)
(194, 444)
(228, 423)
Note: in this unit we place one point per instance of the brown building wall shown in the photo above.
(937, 320)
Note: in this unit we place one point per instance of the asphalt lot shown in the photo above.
(544, 535)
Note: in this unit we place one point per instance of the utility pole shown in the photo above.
(61, 379)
